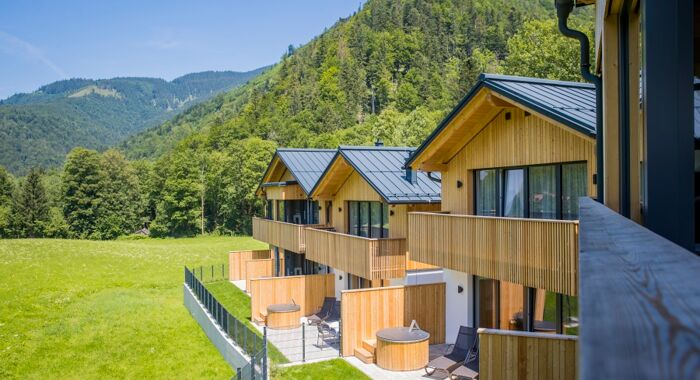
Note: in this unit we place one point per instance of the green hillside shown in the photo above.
(409, 60)
(39, 128)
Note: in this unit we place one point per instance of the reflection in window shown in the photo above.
(543, 192)
(368, 219)
(353, 218)
(486, 182)
(514, 193)
(573, 187)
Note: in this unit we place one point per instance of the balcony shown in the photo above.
(536, 253)
(373, 259)
(287, 236)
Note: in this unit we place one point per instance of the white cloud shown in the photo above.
(16, 46)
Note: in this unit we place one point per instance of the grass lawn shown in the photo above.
(326, 370)
(238, 304)
(86, 309)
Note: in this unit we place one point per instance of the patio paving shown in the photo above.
(298, 345)
(375, 372)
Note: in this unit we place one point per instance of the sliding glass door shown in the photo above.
(368, 219)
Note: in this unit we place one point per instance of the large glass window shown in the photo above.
(514, 193)
(368, 219)
(486, 192)
(281, 214)
(573, 187)
(269, 207)
(543, 192)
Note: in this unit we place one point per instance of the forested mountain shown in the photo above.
(39, 128)
(401, 59)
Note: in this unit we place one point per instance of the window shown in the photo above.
(486, 192)
(543, 192)
(281, 211)
(269, 206)
(514, 193)
(573, 187)
(368, 219)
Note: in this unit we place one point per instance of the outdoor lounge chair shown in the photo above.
(455, 357)
(469, 370)
(323, 313)
(324, 333)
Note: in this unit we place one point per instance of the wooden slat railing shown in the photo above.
(507, 355)
(532, 252)
(640, 301)
(373, 259)
(287, 236)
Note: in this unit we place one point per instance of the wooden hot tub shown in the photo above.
(283, 316)
(402, 349)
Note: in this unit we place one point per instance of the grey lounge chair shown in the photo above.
(469, 370)
(454, 358)
(324, 313)
(324, 333)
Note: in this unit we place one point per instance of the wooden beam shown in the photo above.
(639, 302)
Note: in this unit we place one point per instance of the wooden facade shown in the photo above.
(532, 252)
(287, 236)
(258, 269)
(237, 259)
(306, 291)
(515, 355)
(365, 311)
(372, 259)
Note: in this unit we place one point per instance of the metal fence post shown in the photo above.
(238, 373)
(264, 358)
(303, 343)
(340, 337)
(245, 339)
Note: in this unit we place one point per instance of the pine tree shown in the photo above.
(30, 206)
(120, 201)
(82, 181)
(7, 187)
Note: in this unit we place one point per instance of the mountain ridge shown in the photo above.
(40, 127)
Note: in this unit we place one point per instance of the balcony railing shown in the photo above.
(373, 259)
(287, 236)
(533, 252)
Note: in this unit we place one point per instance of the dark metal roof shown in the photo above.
(570, 103)
(306, 165)
(383, 168)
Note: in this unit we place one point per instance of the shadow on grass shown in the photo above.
(238, 304)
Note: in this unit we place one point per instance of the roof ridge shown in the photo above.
(514, 78)
(360, 147)
(305, 150)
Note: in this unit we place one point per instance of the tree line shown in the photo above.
(104, 195)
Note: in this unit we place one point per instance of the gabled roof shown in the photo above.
(572, 104)
(383, 169)
(306, 165)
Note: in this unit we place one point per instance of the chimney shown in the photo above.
(411, 176)
(379, 142)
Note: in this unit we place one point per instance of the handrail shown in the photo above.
(639, 303)
(291, 224)
(355, 236)
(447, 213)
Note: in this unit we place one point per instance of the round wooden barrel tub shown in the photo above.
(402, 349)
(283, 316)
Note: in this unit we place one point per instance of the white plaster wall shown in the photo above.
(422, 277)
(458, 307)
(340, 285)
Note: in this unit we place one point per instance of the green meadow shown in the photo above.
(73, 309)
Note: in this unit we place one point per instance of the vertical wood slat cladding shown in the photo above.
(287, 236)
(257, 269)
(373, 259)
(291, 192)
(364, 311)
(522, 140)
(511, 355)
(306, 291)
(237, 260)
(537, 253)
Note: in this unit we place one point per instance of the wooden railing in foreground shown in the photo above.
(287, 236)
(373, 259)
(306, 291)
(640, 301)
(237, 260)
(519, 355)
(537, 253)
(364, 311)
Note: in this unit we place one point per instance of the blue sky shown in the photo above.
(44, 41)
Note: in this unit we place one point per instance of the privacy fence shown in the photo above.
(248, 341)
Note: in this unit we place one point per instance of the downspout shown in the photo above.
(564, 8)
